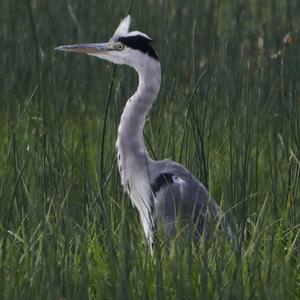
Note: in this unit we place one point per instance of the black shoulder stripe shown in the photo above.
(139, 42)
(160, 181)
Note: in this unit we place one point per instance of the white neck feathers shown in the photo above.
(132, 153)
(130, 142)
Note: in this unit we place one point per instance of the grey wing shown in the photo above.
(180, 197)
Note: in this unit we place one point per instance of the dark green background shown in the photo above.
(228, 110)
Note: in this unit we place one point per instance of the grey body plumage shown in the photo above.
(164, 192)
(183, 198)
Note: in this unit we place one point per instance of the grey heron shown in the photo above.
(164, 191)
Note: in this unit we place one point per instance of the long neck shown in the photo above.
(132, 154)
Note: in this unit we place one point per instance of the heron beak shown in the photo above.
(93, 48)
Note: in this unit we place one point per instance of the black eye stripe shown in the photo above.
(139, 42)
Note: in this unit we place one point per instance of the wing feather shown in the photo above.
(181, 196)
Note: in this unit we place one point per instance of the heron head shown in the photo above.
(130, 48)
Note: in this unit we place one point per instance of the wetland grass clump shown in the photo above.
(229, 110)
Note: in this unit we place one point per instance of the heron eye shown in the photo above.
(119, 46)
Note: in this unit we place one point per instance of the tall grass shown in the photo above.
(229, 110)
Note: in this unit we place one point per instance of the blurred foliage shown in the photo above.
(228, 110)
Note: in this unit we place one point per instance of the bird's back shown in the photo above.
(181, 201)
